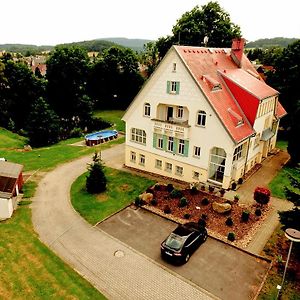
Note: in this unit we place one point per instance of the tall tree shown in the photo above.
(67, 71)
(293, 138)
(42, 124)
(209, 20)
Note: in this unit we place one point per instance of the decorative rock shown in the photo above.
(221, 207)
(146, 197)
(27, 148)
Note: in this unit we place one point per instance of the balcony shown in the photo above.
(171, 128)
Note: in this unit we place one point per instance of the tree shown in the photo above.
(42, 124)
(67, 72)
(290, 218)
(115, 78)
(209, 20)
(293, 138)
(96, 180)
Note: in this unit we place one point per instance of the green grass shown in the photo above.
(281, 180)
(49, 157)
(112, 116)
(122, 189)
(282, 144)
(11, 140)
(29, 270)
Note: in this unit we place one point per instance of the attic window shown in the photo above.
(212, 83)
(235, 117)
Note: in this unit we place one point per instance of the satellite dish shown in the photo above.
(205, 40)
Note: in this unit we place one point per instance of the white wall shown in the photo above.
(6, 208)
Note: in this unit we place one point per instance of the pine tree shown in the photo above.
(96, 180)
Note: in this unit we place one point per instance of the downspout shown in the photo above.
(247, 155)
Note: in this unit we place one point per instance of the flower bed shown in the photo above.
(198, 208)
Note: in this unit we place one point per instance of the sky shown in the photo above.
(52, 22)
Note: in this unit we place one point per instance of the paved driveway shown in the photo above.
(222, 270)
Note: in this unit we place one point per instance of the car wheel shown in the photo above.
(187, 257)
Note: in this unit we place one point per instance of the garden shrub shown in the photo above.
(157, 187)
(222, 192)
(211, 188)
(187, 216)
(229, 221)
(183, 202)
(262, 195)
(170, 187)
(167, 209)
(240, 181)
(175, 193)
(231, 236)
(153, 202)
(245, 216)
(205, 201)
(233, 186)
(258, 212)
(202, 222)
(194, 190)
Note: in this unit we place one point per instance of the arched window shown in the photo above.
(147, 109)
(201, 118)
(217, 164)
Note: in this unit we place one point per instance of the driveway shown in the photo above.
(224, 271)
(115, 269)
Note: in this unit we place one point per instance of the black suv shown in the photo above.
(182, 242)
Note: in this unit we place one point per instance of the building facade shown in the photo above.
(205, 115)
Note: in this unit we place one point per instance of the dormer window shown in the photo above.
(147, 109)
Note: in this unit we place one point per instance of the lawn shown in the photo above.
(112, 116)
(122, 189)
(28, 269)
(281, 180)
(9, 140)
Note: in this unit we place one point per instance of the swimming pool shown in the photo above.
(99, 137)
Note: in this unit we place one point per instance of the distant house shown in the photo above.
(205, 115)
(11, 181)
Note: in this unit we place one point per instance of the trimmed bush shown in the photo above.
(258, 212)
(167, 209)
(153, 202)
(202, 222)
(222, 192)
(229, 221)
(245, 216)
(194, 190)
(183, 202)
(211, 188)
(170, 187)
(202, 187)
(175, 193)
(157, 187)
(262, 195)
(231, 236)
(233, 186)
(240, 181)
(186, 216)
(204, 201)
(139, 202)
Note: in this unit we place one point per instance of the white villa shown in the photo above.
(205, 115)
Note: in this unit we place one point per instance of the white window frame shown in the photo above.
(196, 175)
(179, 170)
(181, 145)
(147, 109)
(158, 164)
(180, 112)
(160, 143)
(142, 160)
(138, 136)
(168, 167)
(238, 152)
(133, 156)
(201, 118)
(197, 151)
(170, 144)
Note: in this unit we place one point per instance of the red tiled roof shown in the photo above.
(211, 68)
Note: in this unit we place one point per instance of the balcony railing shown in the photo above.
(171, 128)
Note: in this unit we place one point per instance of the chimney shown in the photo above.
(237, 50)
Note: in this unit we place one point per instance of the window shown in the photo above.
(158, 164)
(160, 143)
(197, 151)
(138, 135)
(142, 159)
(174, 67)
(179, 112)
(181, 147)
(171, 144)
(196, 175)
(179, 170)
(132, 156)
(201, 118)
(217, 164)
(238, 151)
(173, 87)
(168, 167)
(147, 109)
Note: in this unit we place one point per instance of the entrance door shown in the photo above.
(170, 113)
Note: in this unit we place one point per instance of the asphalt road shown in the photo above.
(223, 270)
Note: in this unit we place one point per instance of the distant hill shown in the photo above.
(23, 48)
(274, 42)
(134, 44)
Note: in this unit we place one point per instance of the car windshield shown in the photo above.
(174, 241)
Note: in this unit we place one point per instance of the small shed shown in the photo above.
(11, 181)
